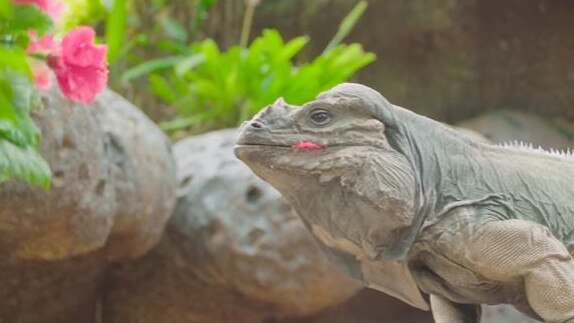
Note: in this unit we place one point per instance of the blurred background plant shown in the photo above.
(29, 53)
(19, 137)
(212, 89)
(161, 58)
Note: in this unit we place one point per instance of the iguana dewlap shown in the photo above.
(408, 205)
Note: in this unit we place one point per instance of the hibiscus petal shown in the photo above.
(82, 84)
(78, 48)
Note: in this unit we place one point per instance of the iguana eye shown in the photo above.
(320, 117)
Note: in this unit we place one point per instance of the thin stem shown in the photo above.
(246, 26)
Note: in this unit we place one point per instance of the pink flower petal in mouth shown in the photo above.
(306, 145)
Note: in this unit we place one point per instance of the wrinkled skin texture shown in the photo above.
(409, 206)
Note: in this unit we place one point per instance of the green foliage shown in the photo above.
(19, 137)
(210, 88)
(5, 9)
(23, 163)
(173, 29)
(116, 26)
(213, 89)
(22, 19)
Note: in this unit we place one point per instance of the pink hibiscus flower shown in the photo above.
(53, 8)
(80, 65)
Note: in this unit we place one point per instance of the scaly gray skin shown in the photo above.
(408, 205)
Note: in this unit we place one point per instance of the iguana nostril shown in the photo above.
(256, 125)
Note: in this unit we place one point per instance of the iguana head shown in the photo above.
(333, 161)
(331, 158)
(321, 137)
(334, 145)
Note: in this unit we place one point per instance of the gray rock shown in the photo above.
(233, 251)
(76, 215)
(113, 180)
(509, 126)
(113, 183)
(142, 168)
(244, 235)
(112, 192)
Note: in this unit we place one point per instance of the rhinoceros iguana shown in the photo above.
(411, 207)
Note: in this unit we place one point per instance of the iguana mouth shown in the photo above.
(299, 145)
(251, 144)
(302, 145)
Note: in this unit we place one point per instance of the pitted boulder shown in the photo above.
(112, 192)
(242, 234)
(113, 183)
(142, 167)
(76, 215)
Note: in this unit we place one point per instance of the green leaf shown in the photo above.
(150, 67)
(188, 63)
(180, 123)
(23, 163)
(18, 134)
(162, 88)
(172, 46)
(293, 47)
(173, 29)
(25, 18)
(15, 60)
(21, 132)
(116, 26)
(8, 115)
(6, 8)
(137, 40)
(16, 126)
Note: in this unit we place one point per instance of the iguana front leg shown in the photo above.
(445, 311)
(520, 250)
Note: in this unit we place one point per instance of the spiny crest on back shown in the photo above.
(528, 147)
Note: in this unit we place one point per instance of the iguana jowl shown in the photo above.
(407, 205)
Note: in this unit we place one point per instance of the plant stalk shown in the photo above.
(246, 26)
